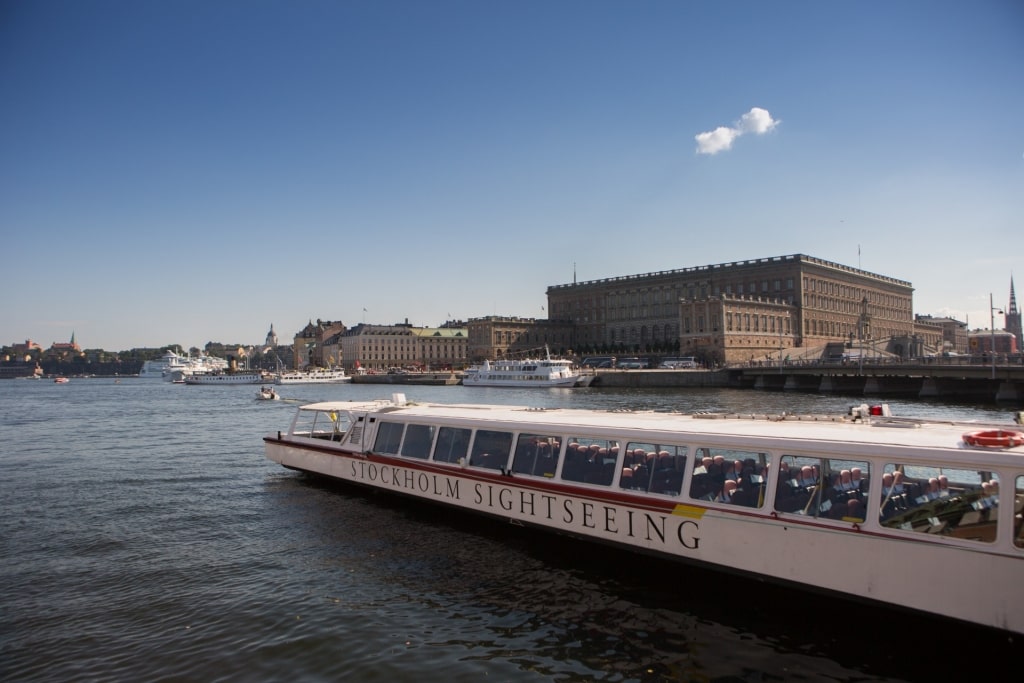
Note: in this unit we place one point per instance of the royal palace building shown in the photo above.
(734, 312)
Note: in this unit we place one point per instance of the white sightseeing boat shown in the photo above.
(226, 378)
(527, 372)
(911, 514)
(313, 376)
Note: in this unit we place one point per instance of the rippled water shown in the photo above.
(145, 537)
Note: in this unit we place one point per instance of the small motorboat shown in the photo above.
(267, 394)
(61, 380)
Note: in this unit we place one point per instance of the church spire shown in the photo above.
(1013, 321)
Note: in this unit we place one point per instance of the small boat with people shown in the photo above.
(524, 372)
(313, 376)
(267, 394)
(924, 515)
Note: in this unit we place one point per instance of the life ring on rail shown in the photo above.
(996, 438)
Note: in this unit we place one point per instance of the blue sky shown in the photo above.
(190, 171)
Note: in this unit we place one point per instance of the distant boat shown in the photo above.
(156, 368)
(224, 378)
(267, 394)
(172, 367)
(61, 380)
(528, 372)
(314, 376)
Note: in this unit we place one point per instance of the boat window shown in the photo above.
(491, 449)
(389, 436)
(657, 468)
(591, 461)
(717, 478)
(536, 454)
(418, 439)
(452, 444)
(822, 487)
(1018, 518)
(943, 501)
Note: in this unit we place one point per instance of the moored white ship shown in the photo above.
(527, 372)
(155, 369)
(891, 511)
(313, 376)
(227, 378)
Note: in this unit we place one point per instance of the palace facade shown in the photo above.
(730, 312)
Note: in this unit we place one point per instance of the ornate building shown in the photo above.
(812, 300)
(380, 347)
(496, 337)
(308, 345)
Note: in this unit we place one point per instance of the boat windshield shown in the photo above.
(321, 424)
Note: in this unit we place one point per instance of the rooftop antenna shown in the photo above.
(574, 272)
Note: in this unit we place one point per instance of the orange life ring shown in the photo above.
(996, 438)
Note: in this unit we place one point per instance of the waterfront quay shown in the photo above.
(914, 380)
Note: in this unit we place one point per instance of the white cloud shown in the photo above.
(757, 121)
(715, 141)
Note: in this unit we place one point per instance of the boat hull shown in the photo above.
(894, 561)
(541, 383)
(814, 556)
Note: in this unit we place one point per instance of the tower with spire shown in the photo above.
(1013, 323)
(271, 337)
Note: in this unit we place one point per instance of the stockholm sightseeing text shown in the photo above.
(549, 509)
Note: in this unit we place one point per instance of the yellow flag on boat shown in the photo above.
(333, 415)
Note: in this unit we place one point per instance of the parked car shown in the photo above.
(677, 363)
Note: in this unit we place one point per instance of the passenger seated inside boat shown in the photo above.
(822, 487)
(968, 511)
(746, 471)
(728, 489)
(590, 461)
(655, 468)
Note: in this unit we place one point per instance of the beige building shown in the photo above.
(496, 337)
(941, 335)
(735, 329)
(308, 349)
(817, 301)
(380, 347)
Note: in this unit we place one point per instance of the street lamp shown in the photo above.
(992, 310)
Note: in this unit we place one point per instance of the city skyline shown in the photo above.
(193, 172)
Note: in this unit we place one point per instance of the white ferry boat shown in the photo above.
(155, 369)
(313, 376)
(226, 378)
(528, 372)
(895, 511)
(188, 365)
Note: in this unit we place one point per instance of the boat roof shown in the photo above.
(836, 430)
